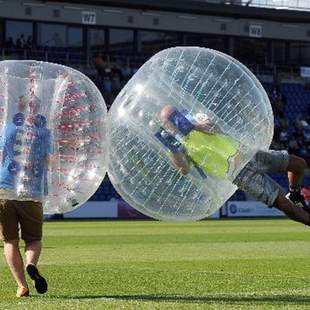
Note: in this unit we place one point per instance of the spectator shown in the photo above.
(100, 64)
(284, 138)
(23, 41)
(126, 72)
(29, 42)
(19, 44)
(294, 145)
(116, 80)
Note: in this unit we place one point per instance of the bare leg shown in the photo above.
(295, 213)
(296, 169)
(15, 262)
(32, 252)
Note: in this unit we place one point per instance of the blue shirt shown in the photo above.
(31, 142)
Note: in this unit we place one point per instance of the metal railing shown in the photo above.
(58, 56)
(80, 60)
(71, 58)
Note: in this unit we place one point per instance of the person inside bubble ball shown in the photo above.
(25, 148)
(195, 141)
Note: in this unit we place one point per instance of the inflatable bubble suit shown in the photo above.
(204, 87)
(52, 126)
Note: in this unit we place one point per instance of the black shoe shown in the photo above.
(298, 199)
(39, 282)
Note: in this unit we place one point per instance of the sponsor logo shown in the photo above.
(233, 208)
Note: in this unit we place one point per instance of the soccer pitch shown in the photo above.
(226, 264)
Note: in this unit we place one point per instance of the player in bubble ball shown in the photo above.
(25, 136)
(196, 141)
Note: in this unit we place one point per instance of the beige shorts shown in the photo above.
(254, 180)
(24, 215)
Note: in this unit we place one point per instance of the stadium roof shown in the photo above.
(300, 5)
(231, 8)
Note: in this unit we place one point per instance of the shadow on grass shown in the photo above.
(201, 299)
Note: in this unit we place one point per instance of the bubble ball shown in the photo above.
(192, 100)
(53, 133)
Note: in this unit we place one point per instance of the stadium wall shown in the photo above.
(153, 19)
(116, 208)
(112, 209)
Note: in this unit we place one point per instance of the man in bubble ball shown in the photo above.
(196, 141)
(25, 149)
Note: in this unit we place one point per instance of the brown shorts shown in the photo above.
(26, 214)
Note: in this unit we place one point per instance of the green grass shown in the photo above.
(227, 264)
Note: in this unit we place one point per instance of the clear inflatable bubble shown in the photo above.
(52, 126)
(182, 129)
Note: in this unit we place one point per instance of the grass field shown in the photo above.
(228, 264)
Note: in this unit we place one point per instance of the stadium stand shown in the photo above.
(123, 37)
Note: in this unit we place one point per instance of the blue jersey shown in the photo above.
(25, 150)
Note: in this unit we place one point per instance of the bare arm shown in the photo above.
(203, 123)
(207, 128)
(181, 162)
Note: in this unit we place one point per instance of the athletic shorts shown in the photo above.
(253, 178)
(26, 215)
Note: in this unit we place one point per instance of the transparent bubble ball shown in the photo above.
(53, 133)
(210, 88)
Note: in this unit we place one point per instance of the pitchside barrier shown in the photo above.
(95, 209)
(120, 209)
(250, 209)
(109, 210)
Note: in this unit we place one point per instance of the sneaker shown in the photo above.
(299, 200)
(22, 292)
(39, 282)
